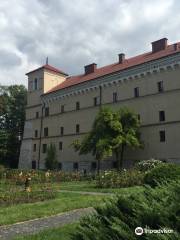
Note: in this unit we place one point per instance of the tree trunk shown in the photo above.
(117, 159)
(98, 165)
(121, 157)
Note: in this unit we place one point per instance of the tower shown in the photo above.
(40, 81)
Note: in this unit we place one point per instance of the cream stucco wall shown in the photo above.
(148, 105)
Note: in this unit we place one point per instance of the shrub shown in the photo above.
(51, 158)
(147, 165)
(154, 209)
(163, 173)
(124, 178)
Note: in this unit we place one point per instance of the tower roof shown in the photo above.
(49, 68)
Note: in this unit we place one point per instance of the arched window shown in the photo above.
(35, 84)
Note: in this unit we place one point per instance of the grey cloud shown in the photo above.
(74, 33)
(8, 59)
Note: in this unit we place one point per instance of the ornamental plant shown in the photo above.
(163, 173)
(147, 165)
(118, 217)
(51, 158)
(117, 179)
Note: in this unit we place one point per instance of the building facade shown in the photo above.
(61, 109)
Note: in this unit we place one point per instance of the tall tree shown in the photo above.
(111, 133)
(130, 135)
(99, 140)
(12, 117)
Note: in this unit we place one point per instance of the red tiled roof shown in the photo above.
(116, 67)
(50, 68)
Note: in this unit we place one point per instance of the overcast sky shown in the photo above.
(74, 33)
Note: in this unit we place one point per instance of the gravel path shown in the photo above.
(87, 193)
(34, 226)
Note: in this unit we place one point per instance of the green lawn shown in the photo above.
(64, 202)
(89, 186)
(61, 233)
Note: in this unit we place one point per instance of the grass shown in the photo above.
(64, 202)
(89, 186)
(61, 233)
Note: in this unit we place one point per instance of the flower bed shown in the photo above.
(124, 178)
(11, 194)
(147, 165)
(39, 176)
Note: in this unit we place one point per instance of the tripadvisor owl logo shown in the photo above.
(139, 231)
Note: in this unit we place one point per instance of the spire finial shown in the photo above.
(47, 60)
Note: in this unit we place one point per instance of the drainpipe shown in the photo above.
(100, 105)
(40, 137)
(100, 96)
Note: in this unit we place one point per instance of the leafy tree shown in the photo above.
(51, 158)
(98, 141)
(130, 134)
(111, 133)
(12, 117)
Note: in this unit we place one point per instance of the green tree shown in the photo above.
(98, 141)
(130, 134)
(51, 157)
(12, 116)
(111, 133)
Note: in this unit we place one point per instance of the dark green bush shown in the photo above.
(162, 173)
(117, 219)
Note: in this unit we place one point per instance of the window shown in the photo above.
(36, 133)
(60, 145)
(161, 116)
(62, 108)
(34, 147)
(93, 166)
(160, 86)
(37, 114)
(35, 84)
(46, 111)
(46, 132)
(139, 117)
(115, 165)
(77, 105)
(75, 166)
(44, 149)
(77, 128)
(136, 92)
(33, 164)
(60, 166)
(115, 97)
(96, 101)
(162, 136)
(62, 130)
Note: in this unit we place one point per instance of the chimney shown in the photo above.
(175, 46)
(121, 57)
(90, 68)
(159, 45)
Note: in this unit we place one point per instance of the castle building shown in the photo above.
(62, 108)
